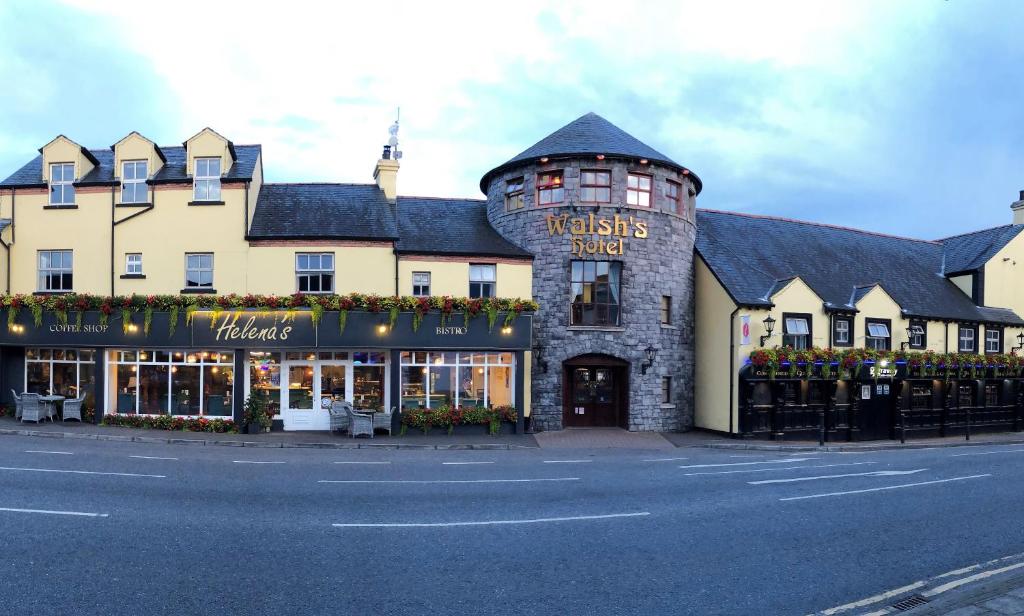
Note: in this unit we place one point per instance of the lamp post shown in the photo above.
(650, 352)
(769, 327)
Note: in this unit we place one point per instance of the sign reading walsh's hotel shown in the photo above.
(615, 227)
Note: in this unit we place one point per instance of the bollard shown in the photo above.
(903, 427)
(821, 427)
(967, 433)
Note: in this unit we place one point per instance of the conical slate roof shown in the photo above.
(589, 135)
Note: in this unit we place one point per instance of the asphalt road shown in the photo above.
(177, 529)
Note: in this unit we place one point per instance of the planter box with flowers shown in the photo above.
(464, 419)
(166, 422)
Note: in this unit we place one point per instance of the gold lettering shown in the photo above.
(556, 224)
(577, 247)
(604, 227)
(579, 226)
(621, 227)
(285, 331)
(641, 230)
(590, 227)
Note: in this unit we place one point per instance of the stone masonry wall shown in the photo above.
(661, 264)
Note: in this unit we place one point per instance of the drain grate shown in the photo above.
(910, 603)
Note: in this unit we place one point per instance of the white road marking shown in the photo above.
(464, 463)
(447, 480)
(776, 469)
(54, 470)
(151, 458)
(875, 599)
(257, 462)
(786, 461)
(869, 474)
(971, 578)
(904, 485)
(494, 522)
(988, 453)
(347, 462)
(47, 511)
(566, 461)
(665, 459)
(62, 453)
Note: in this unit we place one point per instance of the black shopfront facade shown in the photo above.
(207, 365)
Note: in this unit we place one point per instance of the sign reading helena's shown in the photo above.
(607, 235)
(246, 329)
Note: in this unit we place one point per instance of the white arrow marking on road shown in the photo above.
(786, 461)
(775, 469)
(904, 485)
(54, 470)
(47, 511)
(493, 522)
(870, 474)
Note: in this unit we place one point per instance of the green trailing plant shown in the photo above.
(257, 412)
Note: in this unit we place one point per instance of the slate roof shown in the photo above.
(326, 211)
(971, 251)
(30, 175)
(750, 254)
(589, 135)
(450, 226)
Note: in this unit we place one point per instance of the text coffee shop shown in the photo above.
(206, 364)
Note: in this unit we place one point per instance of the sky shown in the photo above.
(899, 117)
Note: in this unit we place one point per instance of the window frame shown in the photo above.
(200, 270)
(923, 344)
(666, 389)
(514, 199)
(551, 187)
(61, 271)
(677, 200)
(308, 273)
(809, 336)
(128, 263)
(420, 285)
(67, 185)
(649, 191)
(593, 185)
(999, 340)
(593, 304)
(135, 181)
(489, 284)
(836, 320)
(206, 180)
(961, 330)
(665, 310)
(867, 334)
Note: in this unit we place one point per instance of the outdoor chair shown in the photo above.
(17, 404)
(339, 415)
(382, 420)
(73, 409)
(32, 408)
(359, 423)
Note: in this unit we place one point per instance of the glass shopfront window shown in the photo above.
(60, 372)
(265, 379)
(467, 378)
(190, 383)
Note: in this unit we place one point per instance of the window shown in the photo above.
(482, 280)
(796, 331)
(466, 379)
(918, 335)
(133, 263)
(841, 331)
(133, 181)
(967, 336)
(878, 337)
(920, 397)
(514, 194)
(199, 270)
(549, 188)
(595, 292)
(62, 190)
(666, 390)
(314, 272)
(170, 382)
(206, 179)
(596, 186)
(61, 372)
(666, 310)
(674, 192)
(55, 270)
(421, 284)
(991, 395)
(993, 340)
(638, 190)
(965, 395)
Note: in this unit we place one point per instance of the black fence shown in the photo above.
(877, 409)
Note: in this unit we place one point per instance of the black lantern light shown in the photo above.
(649, 353)
(769, 327)
(1020, 343)
(538, 355)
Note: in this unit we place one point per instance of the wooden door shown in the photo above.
(593, 397)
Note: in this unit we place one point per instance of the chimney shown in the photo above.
(1018, 209)
(386, 174)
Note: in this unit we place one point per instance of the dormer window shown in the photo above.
(62, 189)
(133, 181)
(514, 194)
(549, 188)
(206, 179)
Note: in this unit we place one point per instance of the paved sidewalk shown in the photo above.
(312, 440)
(1001, 596)
(699, 438)
(601, 438)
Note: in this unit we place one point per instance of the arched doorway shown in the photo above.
(595, 392)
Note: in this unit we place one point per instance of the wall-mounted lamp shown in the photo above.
(769, 327)
(132, 328)
(1020, 342)
(15, 328)
(650, 352)
(543, 159)
(600, 157)
(538, 356)
(382, 328)
(913, 330)
(506, 330)
(643, 161)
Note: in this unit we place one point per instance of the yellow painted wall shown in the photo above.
(208, 144)
(1004, 274)
(877, 304)
(63, 150)
(366, 269)
(136, 147)
(254, 187)
(963, 283)
(798, 297)
(452, 277)
(712, 369)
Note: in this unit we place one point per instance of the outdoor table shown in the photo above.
(51, 404)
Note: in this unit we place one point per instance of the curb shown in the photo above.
(849, 448)
(279, 444)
